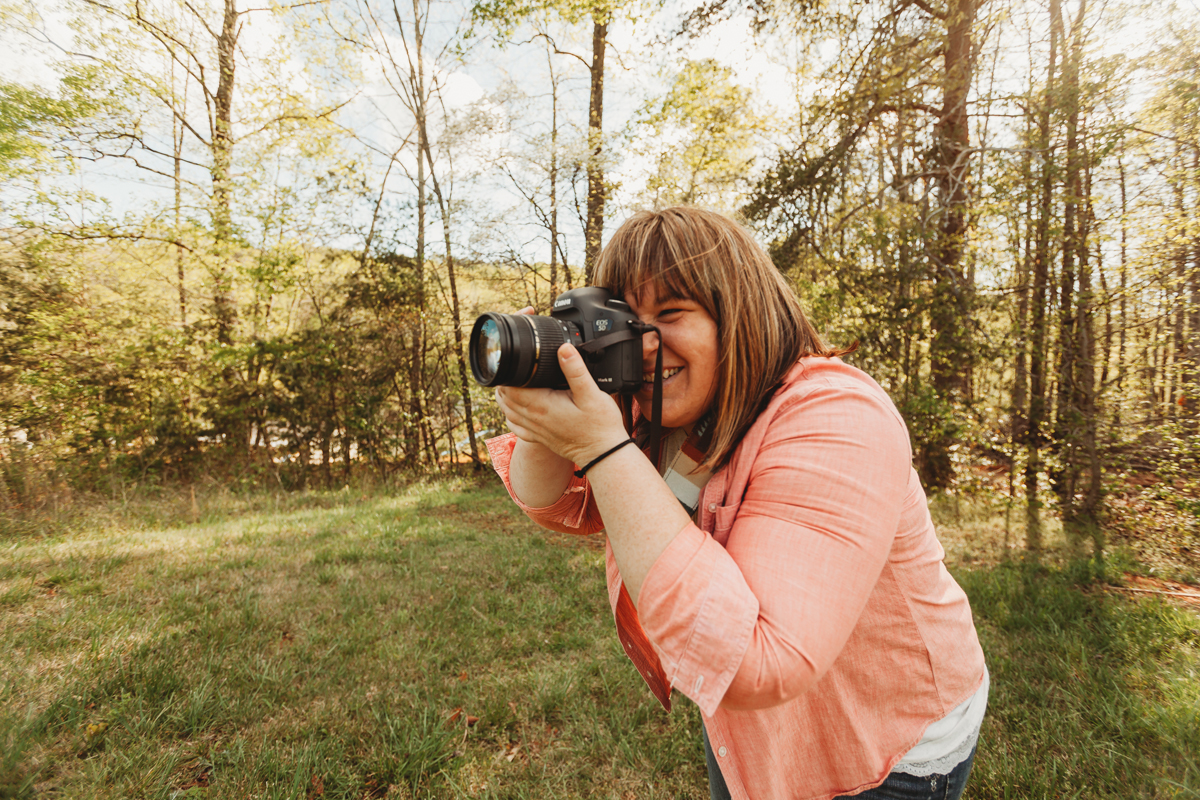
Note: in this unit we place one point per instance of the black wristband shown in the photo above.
(579, 473)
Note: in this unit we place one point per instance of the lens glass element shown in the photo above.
(489, 348)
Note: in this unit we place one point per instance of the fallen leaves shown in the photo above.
(458, 714)
(508, 753)
(197, 774)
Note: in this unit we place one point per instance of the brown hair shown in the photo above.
(711, 259)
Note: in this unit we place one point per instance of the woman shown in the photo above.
(803, 606)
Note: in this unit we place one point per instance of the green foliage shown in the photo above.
(701, 137)
(30, 121)
(505, 16)
(97, 388)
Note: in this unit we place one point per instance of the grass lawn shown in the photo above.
(433, 643)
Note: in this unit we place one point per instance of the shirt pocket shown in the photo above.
(723, 518)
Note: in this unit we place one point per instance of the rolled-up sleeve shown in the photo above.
(574, 512)
(758, 621)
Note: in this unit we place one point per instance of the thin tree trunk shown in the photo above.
(1157, 358)
(327, 441)
(948, 316)
(222, 158)
(231, 423)
(420, 109)
(1179, 303)
(1105, 356)
(463, 374)
(177, 152)
(1194, 324)
(1086, 519)
(1124, 311)
(950, 349)
(1020, 422)
(430, 442)
(1041, 280)
(595, 166)
(418, 401)
(553, 179)
(1067, 418)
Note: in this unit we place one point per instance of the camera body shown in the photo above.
(522, 350)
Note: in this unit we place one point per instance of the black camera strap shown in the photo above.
(635, 331)
(656, 403)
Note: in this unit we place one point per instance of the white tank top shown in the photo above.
(948, 741)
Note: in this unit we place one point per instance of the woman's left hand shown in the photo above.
(578, 423)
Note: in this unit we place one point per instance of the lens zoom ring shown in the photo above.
(549, 336)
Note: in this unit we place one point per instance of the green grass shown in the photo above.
(1093, 694)
(433, 643)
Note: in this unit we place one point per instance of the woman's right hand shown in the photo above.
(537, 474)
(578, 423)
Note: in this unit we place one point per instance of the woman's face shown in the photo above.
(689, 344)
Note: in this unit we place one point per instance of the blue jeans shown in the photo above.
(898, 785)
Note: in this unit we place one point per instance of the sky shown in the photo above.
(638, 62)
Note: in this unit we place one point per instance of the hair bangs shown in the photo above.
(643, 254)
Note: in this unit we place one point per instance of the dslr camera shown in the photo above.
(522, 349)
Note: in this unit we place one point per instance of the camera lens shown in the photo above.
(516, 350)
(487, 349)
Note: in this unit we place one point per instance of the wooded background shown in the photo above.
(246, 241)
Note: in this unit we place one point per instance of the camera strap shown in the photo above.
(685, 451)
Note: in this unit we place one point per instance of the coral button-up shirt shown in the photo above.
(808, 613)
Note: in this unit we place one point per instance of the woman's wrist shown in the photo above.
(579, 473)
(537, 474)
(585, 452)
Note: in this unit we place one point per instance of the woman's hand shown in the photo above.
(578, 423)
(556, 428)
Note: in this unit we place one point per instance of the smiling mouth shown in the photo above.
(648, 377)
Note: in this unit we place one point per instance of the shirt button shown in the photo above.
(712, 508)
(722, 752)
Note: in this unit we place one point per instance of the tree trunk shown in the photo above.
(594, 233)
(463, 374)
(950, 350)
(224, 309)
(1124, 293)
(177, 153)
(326, 447)
(1193, 407)
(1041, 280)
(553, 181)
(1177, 397)
(1156, 360)
(417, 399)
(1068, 422)
(1085, 522)
(1020, 391)
(231, 423)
